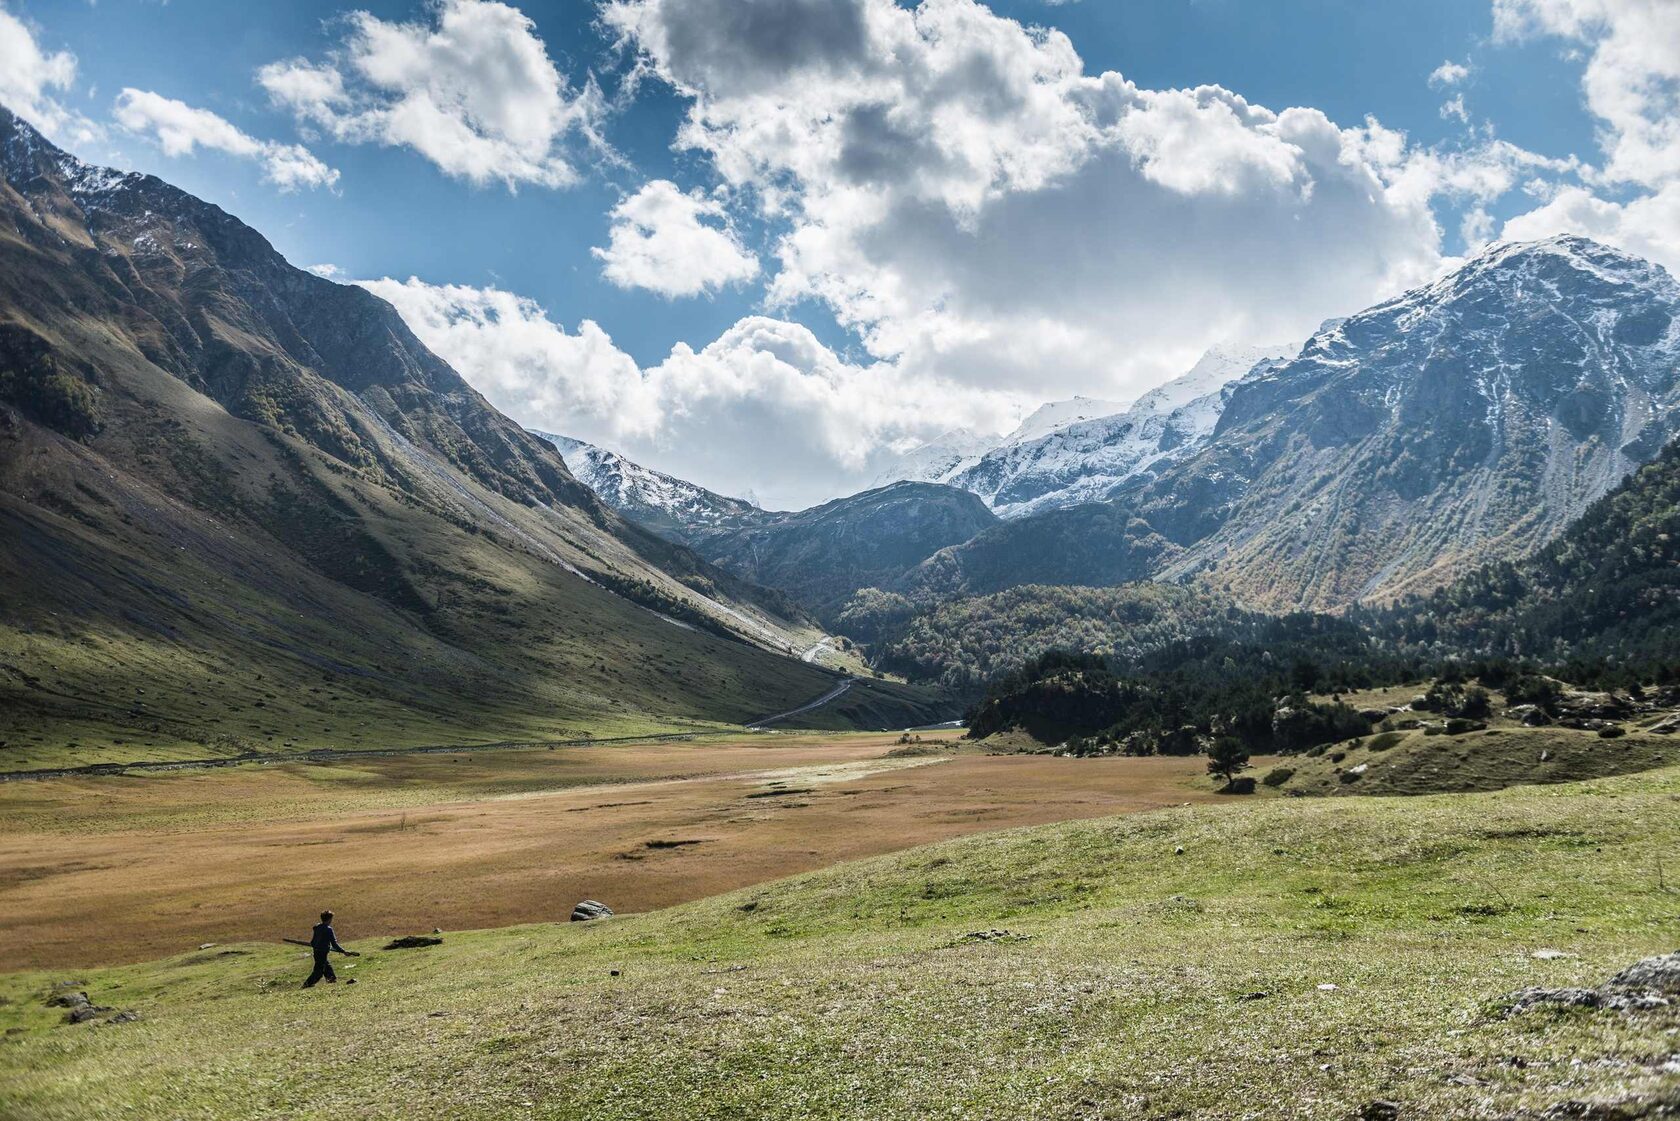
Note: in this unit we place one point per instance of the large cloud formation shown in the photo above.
(1632, 85)
(1001, 227)
(474, 92)
(963, 194)
(765, 408)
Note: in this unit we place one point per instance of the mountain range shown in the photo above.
(1466, 421)
(211, 460)
(244, 501)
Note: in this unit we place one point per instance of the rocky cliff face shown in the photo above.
(1465, 421)
(206, 298)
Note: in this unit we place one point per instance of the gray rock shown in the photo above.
(590, 909)
(1524, 999)
(1647, 984)
(1380, 1111)
(1659, 975)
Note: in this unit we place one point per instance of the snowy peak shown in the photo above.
(1054, 416)
(659, 501)
(935, 461)
(1466, 420)
(1087, 459)
(1216, 369)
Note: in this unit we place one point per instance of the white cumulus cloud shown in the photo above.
(180, 129)
(28, 78)
(1632, 85)
(472, 89)
(1449, 73)
(959, 190)
(673, 243)
(765, 407)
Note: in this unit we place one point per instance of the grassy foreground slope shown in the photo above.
(1117, 977)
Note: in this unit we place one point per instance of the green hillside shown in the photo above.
(243, 508)
(1279, 958)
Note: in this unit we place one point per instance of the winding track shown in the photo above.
(839, 689)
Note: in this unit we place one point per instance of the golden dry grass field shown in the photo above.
(106, 869)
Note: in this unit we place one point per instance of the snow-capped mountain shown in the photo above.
(935, 461)
(663, 503)
(1466, 421)
(1086, 460)
(947, 455)
(1053, 416)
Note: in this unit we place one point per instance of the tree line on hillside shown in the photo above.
(963, 645)
(1173, 700)
(1231, 699)
(1602, 600)
(1599, 606)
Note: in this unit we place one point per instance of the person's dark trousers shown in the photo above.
(323, 968)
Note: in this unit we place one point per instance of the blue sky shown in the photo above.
(827, 319)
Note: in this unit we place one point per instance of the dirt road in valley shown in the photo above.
(101, 870)
(839, 690)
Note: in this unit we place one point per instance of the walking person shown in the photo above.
(323, 941)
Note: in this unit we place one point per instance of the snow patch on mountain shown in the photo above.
(1054, 416)
(1085, 461)
(651, 497)
(935, 461)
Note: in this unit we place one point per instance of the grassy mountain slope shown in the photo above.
(1267, 959)
(254, 495)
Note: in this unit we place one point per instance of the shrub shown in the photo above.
(1226, 756)
(1532, 689)
(32, 379)
(1277, 776)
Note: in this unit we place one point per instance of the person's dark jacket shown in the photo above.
(322, 940)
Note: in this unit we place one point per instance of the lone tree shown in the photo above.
(1226, 756)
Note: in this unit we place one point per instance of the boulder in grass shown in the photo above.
(590, 909)
(1659, 975)
(1644, 985)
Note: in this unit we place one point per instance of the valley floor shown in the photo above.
(113, 868)
(1272, 958)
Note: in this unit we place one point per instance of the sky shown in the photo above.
(769, 245)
